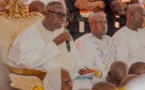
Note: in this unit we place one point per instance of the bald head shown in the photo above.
(37, 6)
(135, 16)
(127, 79)
(64, 73)
(134, 8)
(137, 68)
(134, 1)
(98, 24)
(66, 80)
(104, 86)
(93, 17)
(53, 5)
(117, 72)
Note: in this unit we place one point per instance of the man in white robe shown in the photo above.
(42, 47)
(130, 41)
(96, 48)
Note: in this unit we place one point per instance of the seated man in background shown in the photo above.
(42, 46)
(58, 79)
(104, 86)
(130, 46)
(37, 6)
(137, 68)
(79, 11)
(96, 48)
(117, 72)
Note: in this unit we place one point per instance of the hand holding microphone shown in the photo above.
(67, 42)
(63, 37)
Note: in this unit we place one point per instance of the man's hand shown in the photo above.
(84, 71)
(85, 5)
(100, 7)
(63, 37)
(117, 6)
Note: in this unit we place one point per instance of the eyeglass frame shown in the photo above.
(69, 82)
(59, 15)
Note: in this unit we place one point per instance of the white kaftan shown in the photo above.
(97, 53)
(34, 49)
(131, 45)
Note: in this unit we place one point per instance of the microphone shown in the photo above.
(67, 42)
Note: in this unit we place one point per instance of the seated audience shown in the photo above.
(96, 48)
(58, 79)
(104, 86)
(129, 43)
(117, 72)
(137, 68)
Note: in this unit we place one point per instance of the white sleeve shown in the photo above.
(77, 63)
(123, 50)
(80, 48)
(29, 52)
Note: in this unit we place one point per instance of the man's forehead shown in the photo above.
(56, 6)
(59, 9)
(101, 20)
(65, 76)
(138, 9)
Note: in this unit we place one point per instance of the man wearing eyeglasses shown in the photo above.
(131, 47)
(58, 79)
(42, 46)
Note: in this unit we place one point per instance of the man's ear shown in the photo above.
(108, 78)
(109, 74)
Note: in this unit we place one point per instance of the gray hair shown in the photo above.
(52, 5)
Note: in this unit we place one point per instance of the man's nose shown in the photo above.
(104, 25)
(71, 85)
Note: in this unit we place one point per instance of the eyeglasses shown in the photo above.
(69, 82)
(59, 15)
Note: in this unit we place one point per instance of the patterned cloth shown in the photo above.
(97, 53)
